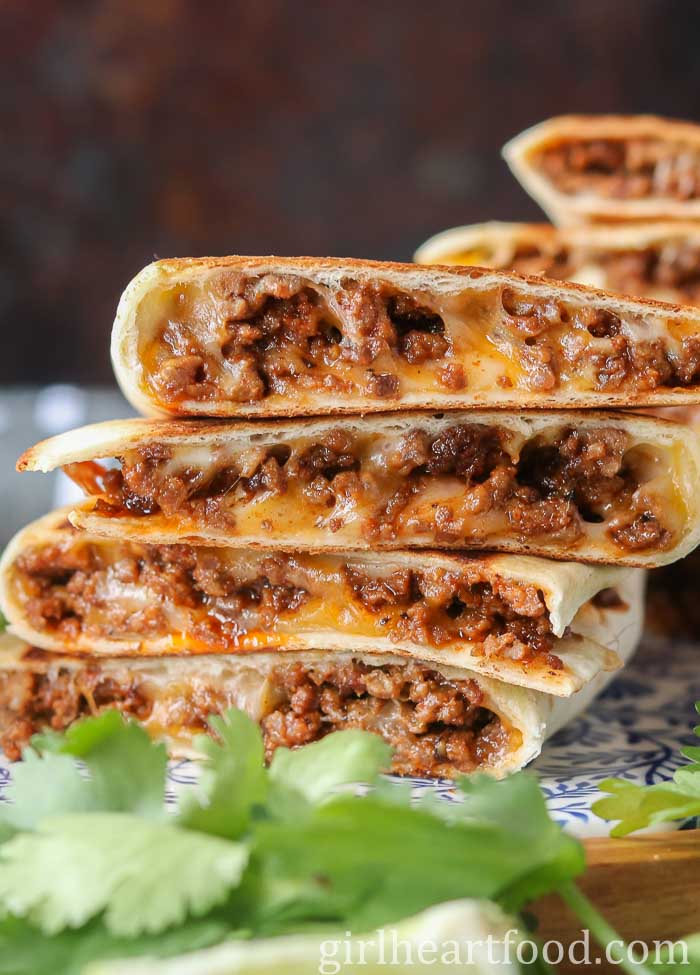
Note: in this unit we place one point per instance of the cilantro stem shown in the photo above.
(604, 934)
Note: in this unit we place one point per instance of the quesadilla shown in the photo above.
(651, 260)
(271, 336)
(441, 720)
(610, 167)
(522, 619)
(594, 487)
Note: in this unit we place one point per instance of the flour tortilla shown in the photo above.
(566, 208)
(483, 359)
(587, 635)
(241, 680)
(582, 250)
(199, 439)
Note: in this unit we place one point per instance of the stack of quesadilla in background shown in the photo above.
(650, 260)
(610, 168)
(624, 194)
(353, 543)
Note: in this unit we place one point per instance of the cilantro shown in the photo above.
(92, 867)
(638, 806)
(318, 769)
(384, 861)
(145, 876)
(127, 769)
(232, 780)
(127, 774)
(43, 786)
(3, 623)
(26, 951)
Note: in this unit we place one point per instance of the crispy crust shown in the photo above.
(437, 280)
(116, 437)
(564, 209)
(566, 587)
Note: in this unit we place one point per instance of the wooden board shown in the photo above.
(648, 888)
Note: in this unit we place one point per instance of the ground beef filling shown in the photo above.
(275, 331)
(555, 339)
(32, 702)
(435, 725)
(672, 268)
(624, 169)
(79, 589)
(556, 486)
(280, 335)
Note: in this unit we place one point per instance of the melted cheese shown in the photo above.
(481, 337)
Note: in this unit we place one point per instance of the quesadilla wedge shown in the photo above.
(238, 336)
(526, 248)
(524, 620)
(441, 720)
(651, 260)
(583, 168)
(595, 487)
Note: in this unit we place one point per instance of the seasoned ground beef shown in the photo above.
(624, 169)
(552, 485)
(95, 589)
(436, 726)
(31, 702)
(673, 267)
(277, 330)
(669, 268)
(252, 338)
(433, 724)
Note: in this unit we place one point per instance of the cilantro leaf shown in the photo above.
(378, 862)
(96, 859)
(127, 774)
(145, 875)
(42, 786)
(3, 623)
(338, 759)
(127, 768)
(25, 950)
(232, 780)
(638, 806)
(517, 805)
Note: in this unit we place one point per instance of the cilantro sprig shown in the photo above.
(638, 806)
(93, 866)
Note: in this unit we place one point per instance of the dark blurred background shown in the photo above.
(134, 128)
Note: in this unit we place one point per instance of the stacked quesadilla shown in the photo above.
(587, 168)
(652, 260)
(624, 194)
(353, 543)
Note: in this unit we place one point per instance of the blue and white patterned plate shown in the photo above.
(634, 731)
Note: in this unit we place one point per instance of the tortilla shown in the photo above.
(651, 260)
(606, 488)
(485, 725)
(524, 620)
(237, 336)
(582, 168)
